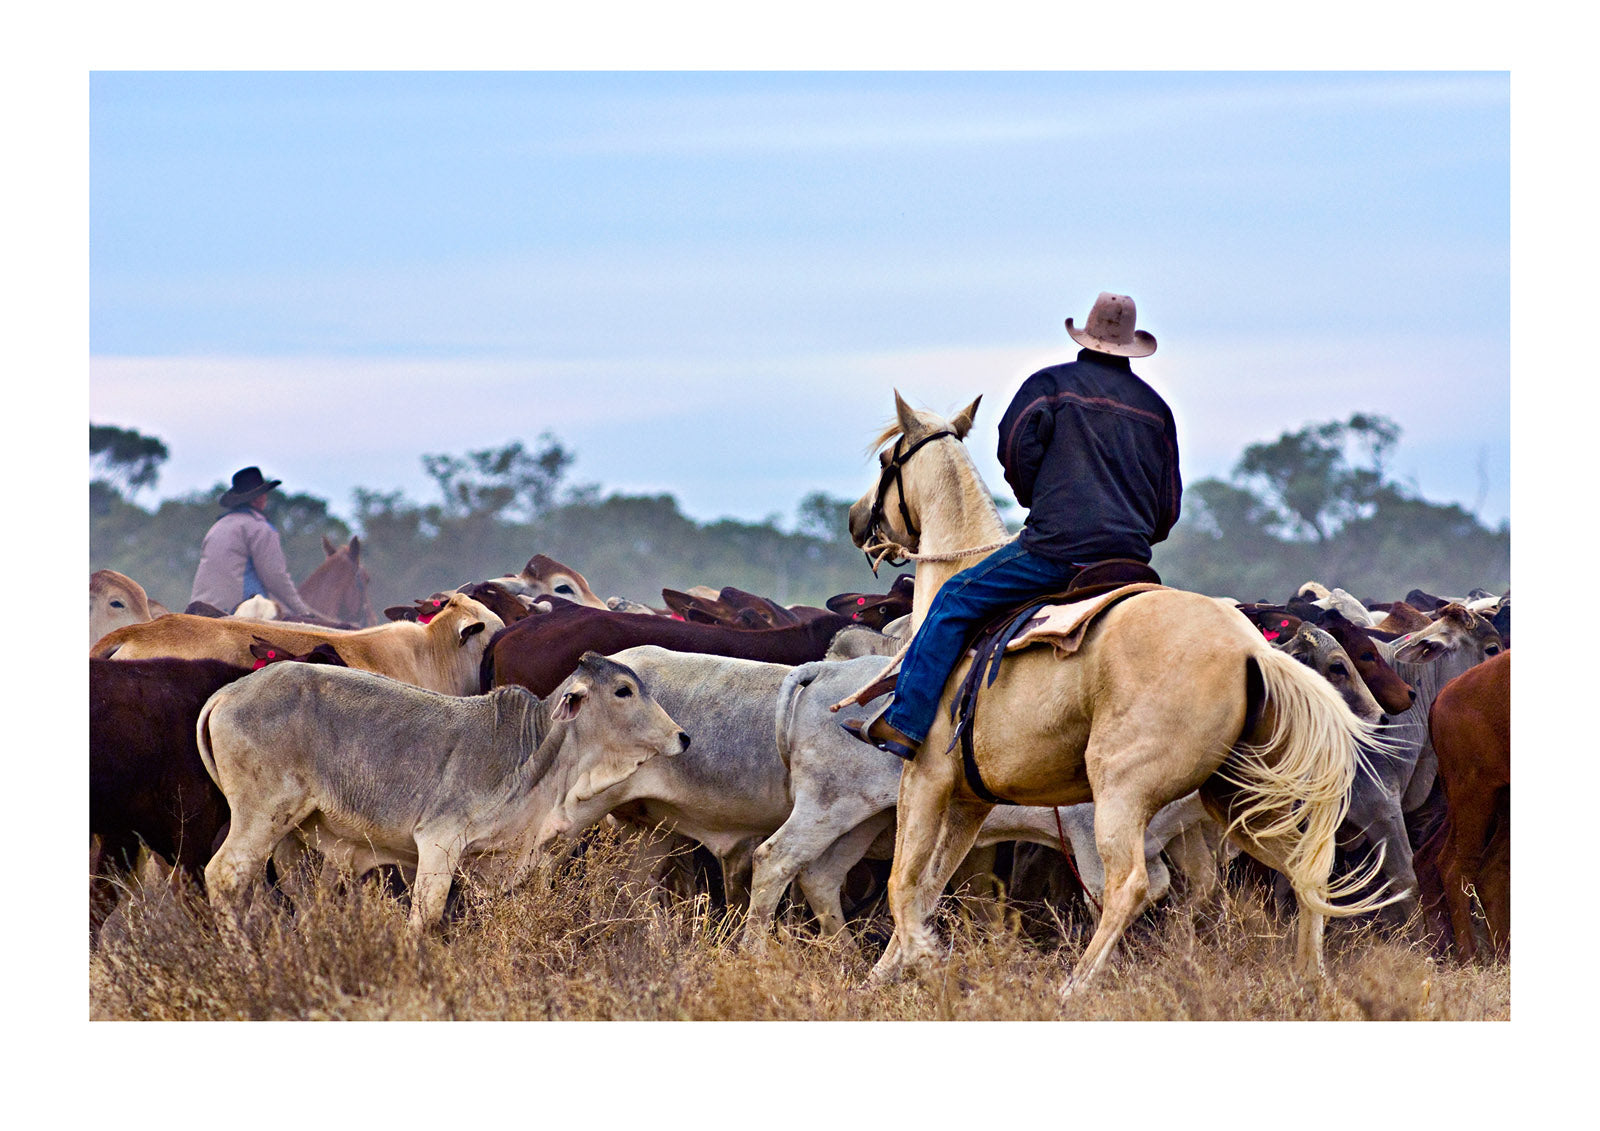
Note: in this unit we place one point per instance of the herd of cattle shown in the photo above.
(488, 724)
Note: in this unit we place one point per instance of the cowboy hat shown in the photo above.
(1110, 329)
(247, 484)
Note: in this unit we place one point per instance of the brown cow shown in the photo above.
(539, 652)
(443, 655)
(1471, 728)
(146, 781)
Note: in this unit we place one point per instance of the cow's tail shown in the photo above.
(202, 737)
(789, 692)
(103, 650)
(1292, 780)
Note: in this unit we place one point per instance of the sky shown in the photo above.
(710, 284)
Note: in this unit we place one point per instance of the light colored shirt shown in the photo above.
(240, 539)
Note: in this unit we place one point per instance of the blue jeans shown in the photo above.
(971, 599)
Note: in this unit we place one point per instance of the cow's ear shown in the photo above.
(468, 631)
(355, 548)
(327, 547)
(400, 612)
(961, 422)
(567, 709)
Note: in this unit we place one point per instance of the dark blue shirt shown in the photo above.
(1092, 452)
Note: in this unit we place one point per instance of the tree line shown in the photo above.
(1315, 504)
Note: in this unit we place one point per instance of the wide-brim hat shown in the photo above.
(248, 483)
(1110, 328)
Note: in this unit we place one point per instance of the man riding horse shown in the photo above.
(1092, 452)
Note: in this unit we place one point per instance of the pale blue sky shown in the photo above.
(709, 284)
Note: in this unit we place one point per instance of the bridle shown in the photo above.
(891, 474)
(885, 546)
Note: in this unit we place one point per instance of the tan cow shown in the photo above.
(442, 655)
(370, 772)
(115, 599)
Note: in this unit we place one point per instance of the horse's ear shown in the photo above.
(903, 411)
(327, 547)
(355, 539)
(961, 422)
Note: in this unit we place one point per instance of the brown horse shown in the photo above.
(1169, 692)
(338, 587)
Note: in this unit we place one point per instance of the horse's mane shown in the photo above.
(889, 432)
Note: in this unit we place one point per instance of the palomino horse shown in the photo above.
(1169, 692)
(338, 587)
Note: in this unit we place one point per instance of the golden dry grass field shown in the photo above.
(589, 946)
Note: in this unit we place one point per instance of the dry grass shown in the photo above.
(588, 947)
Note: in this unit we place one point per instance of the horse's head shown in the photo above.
(891, 511)
(338, 587)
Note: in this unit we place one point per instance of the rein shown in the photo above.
(1061, 839)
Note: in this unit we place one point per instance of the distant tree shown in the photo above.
(125, 456)
(825, 518)
(1307, 479)
(1316, 505)
(509, 482)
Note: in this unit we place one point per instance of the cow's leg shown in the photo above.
(822, 881)
(1196, 860)
(974, 875)
(934, 832)
(289, 861)
(438, 854)
(252, 837)
(737, 873)
(799, 843)
(1388, 832)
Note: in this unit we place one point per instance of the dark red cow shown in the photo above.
(876, 609)
(541, 651)
(146, 780)
(1470, 724)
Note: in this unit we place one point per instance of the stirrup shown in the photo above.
(858, 729)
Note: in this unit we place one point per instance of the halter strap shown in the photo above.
(892, 473)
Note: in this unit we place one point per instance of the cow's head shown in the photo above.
(613, 726)
(1456, 631)
(1321, 653)
(1393, 694)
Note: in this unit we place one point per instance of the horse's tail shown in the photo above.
(1293, 782)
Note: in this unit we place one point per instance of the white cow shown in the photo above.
(370, 771)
